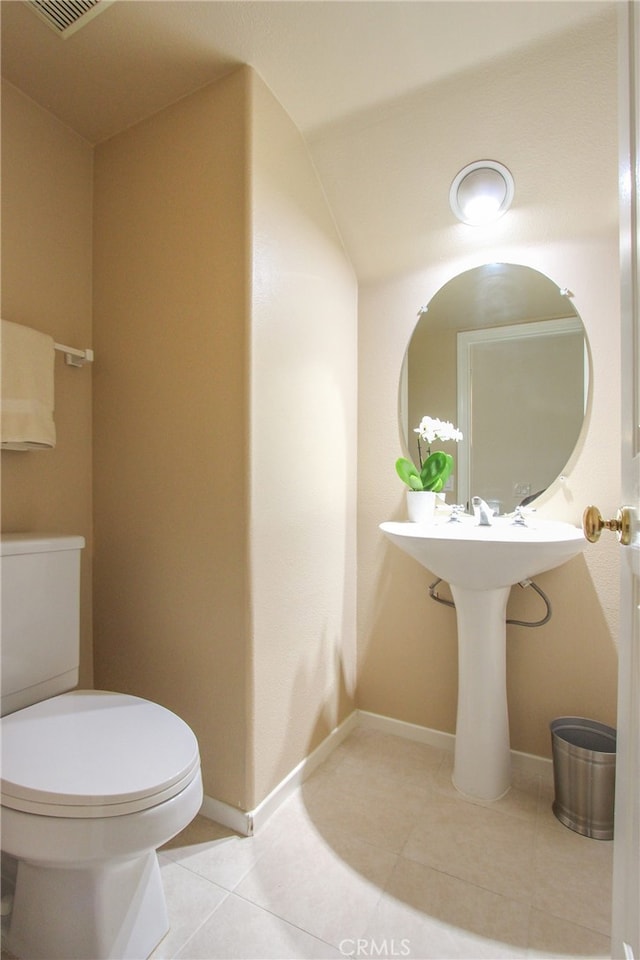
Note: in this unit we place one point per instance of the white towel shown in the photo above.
(26, 394)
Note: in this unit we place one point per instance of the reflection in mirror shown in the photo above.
(501, 352)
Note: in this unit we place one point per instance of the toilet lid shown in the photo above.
(89, 753)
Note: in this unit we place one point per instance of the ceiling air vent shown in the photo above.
(67, 16)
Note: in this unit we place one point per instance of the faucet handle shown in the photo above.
(457, 510)
(520, 515)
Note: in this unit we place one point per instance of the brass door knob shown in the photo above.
(593, 525)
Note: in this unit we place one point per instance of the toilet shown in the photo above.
(93, 782)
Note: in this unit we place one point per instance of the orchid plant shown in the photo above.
(436, 467)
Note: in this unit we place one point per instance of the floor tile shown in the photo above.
(572, 875)
(391, 759)
(431, 914)
(190, 900)
(371, 800)
(522, 800)
(326, 882)
(550, 937)
(215, 852)
(474, 843)
(239, 930)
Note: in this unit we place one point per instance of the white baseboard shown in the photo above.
(248, 822)
(408, 731)
(239, 821)
(530, 763)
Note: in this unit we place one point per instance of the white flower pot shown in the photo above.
(421, 505)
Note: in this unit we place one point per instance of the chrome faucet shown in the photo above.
(482, 512)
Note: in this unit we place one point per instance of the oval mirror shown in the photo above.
(501, 352)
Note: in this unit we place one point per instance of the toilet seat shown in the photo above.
(90, 753)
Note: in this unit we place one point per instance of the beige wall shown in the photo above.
(214, 365)
(46, 284)
(171, 587)
(407, 643)
(303, 438)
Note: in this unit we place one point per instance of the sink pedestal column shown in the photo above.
(482, 765)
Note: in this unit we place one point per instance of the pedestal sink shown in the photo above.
(481, 564)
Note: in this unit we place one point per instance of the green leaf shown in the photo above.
(408, 473)
(447, 471)
(435, 471)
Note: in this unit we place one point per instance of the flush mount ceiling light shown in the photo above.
(481, 192)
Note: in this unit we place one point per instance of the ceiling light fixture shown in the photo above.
(481, 192)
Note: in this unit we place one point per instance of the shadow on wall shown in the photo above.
(567, 667)
(409, 658)
(304, 709)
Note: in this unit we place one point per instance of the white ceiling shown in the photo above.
(324, 61)
(329, 63)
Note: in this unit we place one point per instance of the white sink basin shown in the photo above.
(484, 558)
(481, 564)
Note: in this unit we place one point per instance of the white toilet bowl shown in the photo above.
(92, 784)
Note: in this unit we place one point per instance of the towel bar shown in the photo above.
(73, 357)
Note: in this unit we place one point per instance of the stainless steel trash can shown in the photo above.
(584, 773)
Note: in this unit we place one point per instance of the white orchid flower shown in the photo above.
(430, 429)
(436, 468)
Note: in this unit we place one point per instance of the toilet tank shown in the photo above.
(40, 617)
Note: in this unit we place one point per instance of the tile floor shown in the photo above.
(377, 856)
